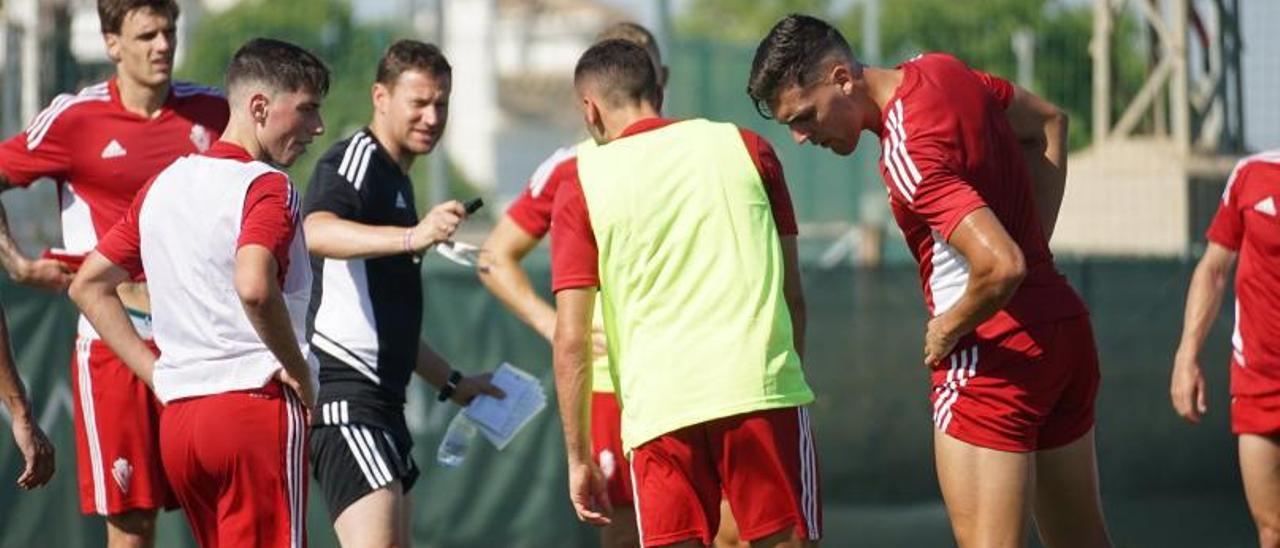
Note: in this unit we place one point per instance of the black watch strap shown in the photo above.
(450, 386)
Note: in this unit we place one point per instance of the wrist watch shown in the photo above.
(447, 390)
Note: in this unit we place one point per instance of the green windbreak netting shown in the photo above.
(872, 419)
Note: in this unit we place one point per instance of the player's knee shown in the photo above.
(135, 522)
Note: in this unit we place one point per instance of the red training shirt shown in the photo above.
(948, 150)
(101, 154)
(1248, 222)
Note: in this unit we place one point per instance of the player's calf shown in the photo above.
(1260, 471)
(786, 538)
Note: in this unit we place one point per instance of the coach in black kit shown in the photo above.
(364, 235)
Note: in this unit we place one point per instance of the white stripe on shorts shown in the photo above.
(377, 455)
(962, 369)
(91, 426)
(357, 452)
(808, 476)
(635, 496)
(294, 447)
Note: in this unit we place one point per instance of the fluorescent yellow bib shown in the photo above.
(691, 276)
(601, 378)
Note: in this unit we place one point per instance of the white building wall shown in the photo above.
(473, 107)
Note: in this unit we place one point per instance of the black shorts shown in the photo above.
(352, 460)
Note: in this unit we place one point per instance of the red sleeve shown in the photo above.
(574, 256)
(775, 183)
(532, 210)
(270, 217)
(1000, 88)
(532, 213)
(122, 244)
(1227, 228)
(925, 172)
(43, 150)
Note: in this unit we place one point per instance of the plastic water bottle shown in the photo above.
(457, 440)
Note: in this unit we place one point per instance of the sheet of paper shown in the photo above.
(500, 419)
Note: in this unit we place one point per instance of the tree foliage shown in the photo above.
(981, 34)
(741, 21)
(978, 32)
(323, 26)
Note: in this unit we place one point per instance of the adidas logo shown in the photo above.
(400, 202)
(113, 150)
(1267, 206)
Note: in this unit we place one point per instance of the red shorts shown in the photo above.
(764, 462)
(1255, 414)
(606, 446)
(237, 462)
(1027, 390)
(117, 423)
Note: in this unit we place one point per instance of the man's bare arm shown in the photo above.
(996, 269)
(434, 369)
(94, 292)
(793, 290)
(501, 272)
(263, 302)
(329, 235)
(1204, 298)
(37, 451)
(572, 364)
(43, 273)
(1041, 128)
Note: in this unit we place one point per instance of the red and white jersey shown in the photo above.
(1248, 222)
(184, 230)
(532, 210)
(101, 154)
(948, 150)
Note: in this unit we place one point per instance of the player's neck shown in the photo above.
(617, 121)
(145, 101)
(882, 84)
(401, 157)
(242, 134)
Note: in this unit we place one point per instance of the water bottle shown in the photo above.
(457, 440)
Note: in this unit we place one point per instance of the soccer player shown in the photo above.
(1009, 345)
(37, 452)
(366, 311)
(685, 229)
(217, 235)
(100, 146)
(1247, 226)
(527, 221)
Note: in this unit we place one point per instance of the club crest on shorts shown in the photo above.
(122, 471)
(608, 463)
(200, 137)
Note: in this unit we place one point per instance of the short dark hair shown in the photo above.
(623, 70)
(111, 13)
(278, 64)
(793, 52)
(411, 55)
